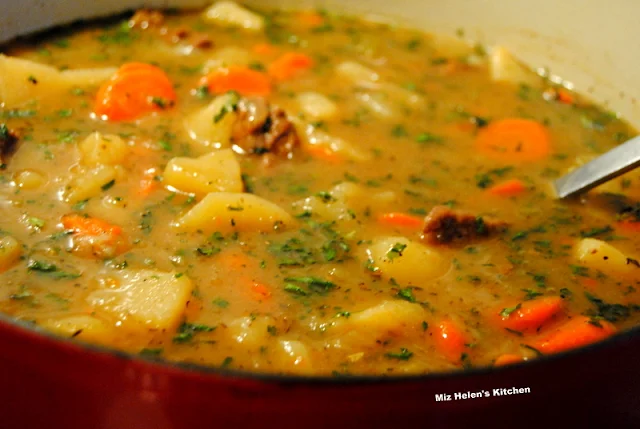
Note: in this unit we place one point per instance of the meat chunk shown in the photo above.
(8, 144)
(146, 18)
(263, 129)
(444, 225)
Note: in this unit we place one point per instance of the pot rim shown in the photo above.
(183, 369)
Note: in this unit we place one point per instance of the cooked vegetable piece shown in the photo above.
(227, 212)
(81, 326)
(237, 78)
(9, 252)
(514, 140)
(531, 315)
(212, 125)
(89, 183)
(316, 105)
(414, 264)
(107, 149)
(508, 188)
(229, 13)
(450, 340)
(144, 299)
(579, 331)
(599, 255)
(289, 65)
(133, 91)
(216, 172)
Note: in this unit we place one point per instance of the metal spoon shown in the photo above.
(612, 164)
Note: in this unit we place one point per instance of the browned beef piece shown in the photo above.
(8, 144)
(146, 18)
(444, 225)
(263, 129)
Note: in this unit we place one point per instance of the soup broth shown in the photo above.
(303, 192)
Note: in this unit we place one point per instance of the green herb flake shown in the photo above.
(220, 302)
(506, 312)
(406, 294)
(403, 354)
(396, 251)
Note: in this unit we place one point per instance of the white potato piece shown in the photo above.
(316, 105)
(230, 14)
(211, 126)
(215, 172)
(107, 149)
(88, 184)
(406, 261)
(251, 332)
(144, 299)
(23, 81)
(357, 74)
(311, 136)
(10, 251)
(503, 67)
(81, 326)
(29, 179)
(293, 356)
(378, 104)
(227, 56)
(601, 256)
(227, 212)
(346, 200)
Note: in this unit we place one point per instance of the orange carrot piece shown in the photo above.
(324, 153)
(629, 226)
(508, 188)
(401, 219)
(507, 359)
(261, 290)
(135, 90)
(450, 340)
(289, 65)
(237, 78)
(89, 226)
(309, 18)
(530, 315)
(148, 184)
(565, 96)
(264, 49)
(577, 332)
(514, 140)
(590, 284)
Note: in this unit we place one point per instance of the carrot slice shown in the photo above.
(401, 219)
(148, 183)
(530, 315)
(450, 340)
(264, 49)
(135, 90)
(508, 188)
(89, 226)
(289, 65)
(309, 18)
(507, 359)
(261, 290)
(565, 96)
(237, 78)
(514, 140)
(629, 226)
(324, 153)
(578, 332)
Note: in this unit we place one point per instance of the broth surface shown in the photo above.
(391, 123)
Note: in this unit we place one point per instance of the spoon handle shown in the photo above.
(612, 164)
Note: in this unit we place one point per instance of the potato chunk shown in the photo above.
(251, 332)
(10, 251)
(227, 56)
(22, 81)
(406, 261)
(211, 126)
(81, 326)
(228, 212)
(599, 255)
(107, 149)
(312, 136)
(88, 184)
(215, 172)
(230, 14)
(293, 356)
(316, 105)
(503, 67)
(144, 299)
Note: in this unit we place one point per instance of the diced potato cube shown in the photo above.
(601, 256)
(89, 183)
(227, 212)
(23, 81)
(215, 172)
(408, 262)
(378, 104)
(10, 251)
(292, 355)
(252, 332)
(316, 105)
(145, 299)
(227, 56)
(228, 13)
(211, 126)
(311, 135)
(503, 67)
(357, 74)
(29, 179)
(108, 149)
(82, 326)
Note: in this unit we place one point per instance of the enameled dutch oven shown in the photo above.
(47, 382)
